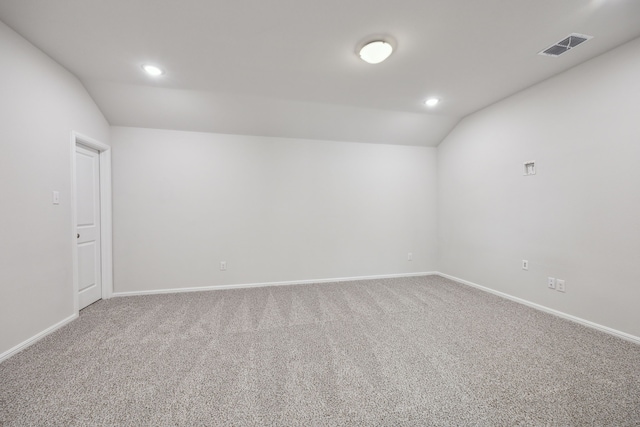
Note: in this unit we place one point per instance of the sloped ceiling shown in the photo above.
(288, 67)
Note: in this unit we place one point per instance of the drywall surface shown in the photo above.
(41, 104)
(274, 209)
(577, 219)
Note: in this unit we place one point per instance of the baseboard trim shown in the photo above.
(18, 348)
(264, 284)
(23, 345)
(561, 314)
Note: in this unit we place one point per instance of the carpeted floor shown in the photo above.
(412, 351)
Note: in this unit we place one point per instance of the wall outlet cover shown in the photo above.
(560, 287)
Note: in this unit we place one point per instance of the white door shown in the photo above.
(88, 226)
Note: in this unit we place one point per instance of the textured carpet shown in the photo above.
(411, 351)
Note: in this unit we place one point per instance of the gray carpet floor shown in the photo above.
(411, 351)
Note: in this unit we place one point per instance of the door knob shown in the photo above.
(78, 236)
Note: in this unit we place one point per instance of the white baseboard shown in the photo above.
(12, 351)
(259, 285)
(575, 319)
(7, 354)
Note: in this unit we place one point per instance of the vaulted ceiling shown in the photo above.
(289, 68)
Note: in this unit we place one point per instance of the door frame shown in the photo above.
(106, 244)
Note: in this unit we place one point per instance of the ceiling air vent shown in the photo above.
(571, 41)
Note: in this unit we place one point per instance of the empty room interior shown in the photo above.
(416, 212)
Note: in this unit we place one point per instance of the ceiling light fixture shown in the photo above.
(431, 102)
(376, 51)
(152, 70)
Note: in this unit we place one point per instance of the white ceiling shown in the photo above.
(289, 68)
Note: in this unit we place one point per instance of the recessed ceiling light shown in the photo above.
(152, 70)
(376, 51)
(431, 102)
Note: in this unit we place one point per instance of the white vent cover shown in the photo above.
(565, 45)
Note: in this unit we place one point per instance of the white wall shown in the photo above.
(285, 210)
(275, 209)
(578, 219)
(41, 103)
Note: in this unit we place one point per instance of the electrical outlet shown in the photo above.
(410, 257)
(525, 264)
(223, 265)
(560, 285)
(551, 283)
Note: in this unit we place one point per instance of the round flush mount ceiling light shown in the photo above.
(431, 102)
(376, 51)
(152, 70)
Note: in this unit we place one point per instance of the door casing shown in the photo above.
(105, 215)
